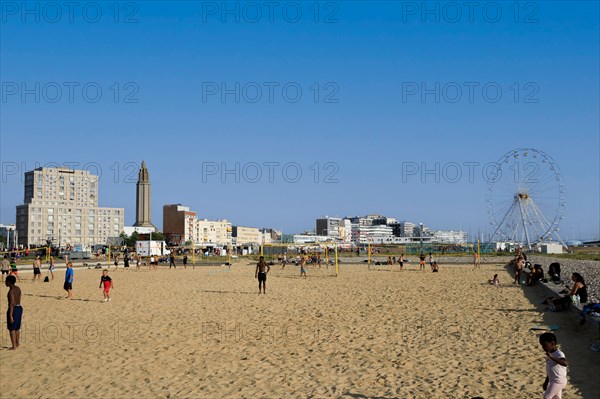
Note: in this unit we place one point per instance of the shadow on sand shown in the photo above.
(60, 298)
(308, 276)
(227, 292)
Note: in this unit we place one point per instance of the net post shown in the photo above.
(337, 269)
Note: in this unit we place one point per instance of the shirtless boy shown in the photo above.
(15, 311)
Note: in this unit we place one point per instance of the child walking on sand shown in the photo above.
(106, 281)
(556, 367)
(14, 271)
(422, 262)
(303, 266)
(68, 285)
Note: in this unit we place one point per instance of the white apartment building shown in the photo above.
(269, 236)
(245, 235)
(61, 205)
(407, 229)
(309, 238)
(213, 232)
(450, 237)
(375, 234)
(345, 231)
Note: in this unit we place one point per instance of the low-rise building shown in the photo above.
(310, 238)
(214, 233)
(9, 232)
(449, 237)
(242, 235)
(179, 224)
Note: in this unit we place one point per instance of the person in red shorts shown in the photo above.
(107, 284)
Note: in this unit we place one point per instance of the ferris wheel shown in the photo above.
(525, 197)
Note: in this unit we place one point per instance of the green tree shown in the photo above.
(133, 238)
(124, 237)
(158, 236)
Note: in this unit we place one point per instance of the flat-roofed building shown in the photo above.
(214, 233)
(179, 224)
(61, 205)
(242, 235)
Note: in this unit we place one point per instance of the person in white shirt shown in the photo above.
(556, 367)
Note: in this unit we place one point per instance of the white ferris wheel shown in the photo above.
(526, 197)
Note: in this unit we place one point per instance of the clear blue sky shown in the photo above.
(366, 58)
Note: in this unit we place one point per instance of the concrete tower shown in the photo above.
(142, 208)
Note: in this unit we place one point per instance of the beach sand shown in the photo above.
(206, 333)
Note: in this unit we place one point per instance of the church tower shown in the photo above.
(142, 208)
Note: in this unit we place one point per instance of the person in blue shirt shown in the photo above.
(68, 286)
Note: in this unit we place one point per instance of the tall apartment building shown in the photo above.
(179, 224)
(61, 205)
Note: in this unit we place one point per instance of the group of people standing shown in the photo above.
(14, 314)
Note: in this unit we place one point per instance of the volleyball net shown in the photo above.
(324, 257)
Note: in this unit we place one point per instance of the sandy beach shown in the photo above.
(206, 333)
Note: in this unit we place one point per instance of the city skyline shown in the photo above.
(132, 216)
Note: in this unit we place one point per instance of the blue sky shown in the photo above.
(356, 117)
